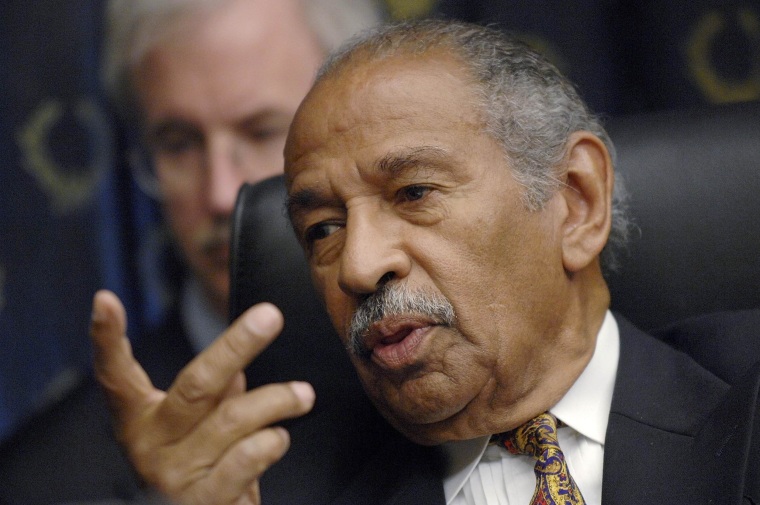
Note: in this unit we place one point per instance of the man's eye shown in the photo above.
(173, 144)
(320, 231)
(267, 134)
(413, 193)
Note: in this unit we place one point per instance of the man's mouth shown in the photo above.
(214, 243)
(393, 343)
(219, 254)
(390, 326)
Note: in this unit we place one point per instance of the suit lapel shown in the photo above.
(662, 400)
(730, 443)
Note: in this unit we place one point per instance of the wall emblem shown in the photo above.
(405, 9)
(67, 187)
(737, 34)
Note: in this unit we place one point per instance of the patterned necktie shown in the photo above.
(538, 438)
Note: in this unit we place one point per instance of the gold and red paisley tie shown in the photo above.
(538, 438)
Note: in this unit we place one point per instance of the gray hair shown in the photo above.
(528, 106)
(134, 26)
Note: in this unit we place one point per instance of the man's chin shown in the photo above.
(217, 259)
(422, 424)
(423, 434)
(216, 288)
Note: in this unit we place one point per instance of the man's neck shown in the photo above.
(199, 319)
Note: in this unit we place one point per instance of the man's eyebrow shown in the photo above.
(173, 124)
(270, 114)
(305, 200)
(391, 165)
(395, 163)
(166, 126)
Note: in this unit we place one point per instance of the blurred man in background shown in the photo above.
(212, 86)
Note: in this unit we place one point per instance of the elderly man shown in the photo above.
(454, 198)
(212, 86)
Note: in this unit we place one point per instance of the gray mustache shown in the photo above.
(213, 238)
(395, 300)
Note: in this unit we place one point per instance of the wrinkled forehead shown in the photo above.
(328, 104)
(371, 96)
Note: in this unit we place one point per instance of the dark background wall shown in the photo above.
(638, 56)
(58, 220)
(72, 219)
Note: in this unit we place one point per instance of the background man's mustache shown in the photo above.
(209, 239)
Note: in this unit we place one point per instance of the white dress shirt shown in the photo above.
(480, 474)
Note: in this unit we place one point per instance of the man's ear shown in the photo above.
(588, 196)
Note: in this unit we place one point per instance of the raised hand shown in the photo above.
(205, 440)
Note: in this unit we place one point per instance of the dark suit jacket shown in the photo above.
(677, 434)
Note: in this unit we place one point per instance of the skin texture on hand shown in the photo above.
(205, 440)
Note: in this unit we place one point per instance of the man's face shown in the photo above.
(394, 184)
(217, 95)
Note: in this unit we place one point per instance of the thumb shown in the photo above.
(127, 386)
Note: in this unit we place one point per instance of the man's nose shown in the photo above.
(373, 252)
(225, 172)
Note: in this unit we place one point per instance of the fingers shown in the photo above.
(236, 418)
(222, 459)
(234, 479)
(206, 440)
(127, 386)
(255, 454)
(207, 379)
(235, 387)
(230, 449)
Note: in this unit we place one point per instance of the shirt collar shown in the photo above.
(586, 405)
